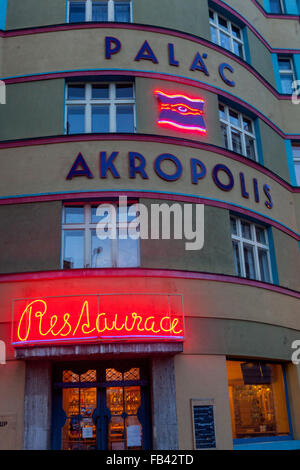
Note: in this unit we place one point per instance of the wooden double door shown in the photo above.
(102, 406)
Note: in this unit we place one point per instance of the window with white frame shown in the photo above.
(276, 7)
(100, 107)
(250, 250)
(296, 156)
(238, 132)
(108, 10)
(226, 34)
(81, 245)
(287, 74)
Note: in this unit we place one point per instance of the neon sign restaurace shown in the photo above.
(95, 318)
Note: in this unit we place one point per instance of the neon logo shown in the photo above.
(181, 112)
(106, 318)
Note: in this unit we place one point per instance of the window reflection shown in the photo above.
(257, 399)
(79, 431)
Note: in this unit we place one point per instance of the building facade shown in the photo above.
(145, 343)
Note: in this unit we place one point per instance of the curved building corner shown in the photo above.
(150, 225)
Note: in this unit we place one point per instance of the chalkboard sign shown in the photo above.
(203, 424)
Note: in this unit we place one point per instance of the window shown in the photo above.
(296, 155)
(276, 6)
(82, 248)
(107, 10)
(237, 132)
(257, 399)
(226, 34)
(250, 250)
(100, 107)
(287, 74)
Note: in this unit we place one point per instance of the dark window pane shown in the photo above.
(236, 32)
(124, 91)
(238, 49)
(224, 136)
(249, 262)
(236, 141)
(260, 235)
(122, 12)
(77, 12)
(75, 119)
(99, 11)
(236, 258)
(100, 119)
(246, 230)
(247, 125)
(76, 92)
(101, 252)
(225, 41)
(234, 118)
(284, 64)
(100, 92)
(222, 113)
(74, 215)
(287, 84)
(222, 22)
(233, 225)
(275, 6)
(213, 34)
(125, 118)
(73, 249)
(250, 147)
(264, 265)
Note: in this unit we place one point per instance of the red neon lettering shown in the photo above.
(37, 324)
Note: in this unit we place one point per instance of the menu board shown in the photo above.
(204, 425)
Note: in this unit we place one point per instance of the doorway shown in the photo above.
(101, 406)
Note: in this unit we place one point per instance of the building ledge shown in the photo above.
(103, 350)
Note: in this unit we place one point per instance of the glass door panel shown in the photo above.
(79, 431)
(124, 429)
(98, 407)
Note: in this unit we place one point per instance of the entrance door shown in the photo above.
(102, 407)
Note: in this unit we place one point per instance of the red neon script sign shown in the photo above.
(181, 112)
(93, 318)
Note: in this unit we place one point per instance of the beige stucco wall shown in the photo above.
(67, 51)
(279, 33)
(202, 377)
(32, 109)
(12, 384)
(261, 58)
(52, 163)
(190, 16)
(34, 13)
(287, 259)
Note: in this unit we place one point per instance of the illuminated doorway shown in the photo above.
(101, 406)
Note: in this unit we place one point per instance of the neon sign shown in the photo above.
(94, 318)
(181, 112)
